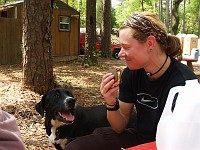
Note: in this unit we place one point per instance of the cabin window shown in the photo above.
(4, 14)
(64, 23)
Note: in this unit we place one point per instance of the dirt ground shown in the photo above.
(21, 102)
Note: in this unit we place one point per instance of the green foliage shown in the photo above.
(128, 7)
(113, 18)
(98, 13)
(79, 5)
(82, 10)
(5, 1)
(192, 11)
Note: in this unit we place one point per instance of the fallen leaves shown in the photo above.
(84, 82)
(20, 102)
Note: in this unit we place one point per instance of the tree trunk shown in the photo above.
(167, 15)
(160, 9)
(183, 20)
(37, 61)
(175, 17)
(106, 29)
(90, 58)
(142, 4)
(171, 20)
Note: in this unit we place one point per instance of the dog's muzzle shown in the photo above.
(66, 114)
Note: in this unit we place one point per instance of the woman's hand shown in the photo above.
(109, 89)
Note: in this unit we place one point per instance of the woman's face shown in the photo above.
(135, 53)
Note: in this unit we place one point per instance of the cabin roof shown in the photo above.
(57, 5)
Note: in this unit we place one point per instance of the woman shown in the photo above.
(151, 72)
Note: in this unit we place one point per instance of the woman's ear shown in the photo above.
(151, 40)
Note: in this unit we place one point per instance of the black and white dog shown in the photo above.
(64, 120)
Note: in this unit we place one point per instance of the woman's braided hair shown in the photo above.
(145, 24)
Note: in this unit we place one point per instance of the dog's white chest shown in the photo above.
(52, 137)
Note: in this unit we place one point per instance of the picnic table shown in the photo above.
(189, 61)
(146, 146)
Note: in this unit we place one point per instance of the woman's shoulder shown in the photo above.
(182, 70)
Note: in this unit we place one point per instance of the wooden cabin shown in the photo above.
(65, 32)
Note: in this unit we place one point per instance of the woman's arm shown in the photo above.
(120, 118)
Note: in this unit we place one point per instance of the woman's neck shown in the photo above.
(159, 68)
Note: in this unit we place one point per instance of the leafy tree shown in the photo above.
(99, 12)
(83, 13)
(191, 16)
(79, 5)
(127, 7)
(37, 61)
(113, 18)
(82, 10)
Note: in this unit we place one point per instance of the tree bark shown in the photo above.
(36, 46)
(90, 58)
(175, 17)
(167, 15)
(171, 20)
(106, 29)
(183, 20)
(142, 4)
(160, 9)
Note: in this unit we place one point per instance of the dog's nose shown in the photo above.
(70, 101)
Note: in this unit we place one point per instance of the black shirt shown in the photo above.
(150, 97)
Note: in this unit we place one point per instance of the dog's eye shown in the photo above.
(70, 94)
(56, 95)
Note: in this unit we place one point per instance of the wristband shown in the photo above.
(115, 106)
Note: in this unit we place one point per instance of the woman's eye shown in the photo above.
(125, 48)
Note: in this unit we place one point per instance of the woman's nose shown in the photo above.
(121, 53)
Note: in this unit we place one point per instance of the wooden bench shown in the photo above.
(189, 61)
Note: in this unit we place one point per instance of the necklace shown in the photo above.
(151, 74)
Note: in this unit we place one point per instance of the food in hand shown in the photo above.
(117, 75)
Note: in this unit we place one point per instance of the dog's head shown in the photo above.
(58, 104)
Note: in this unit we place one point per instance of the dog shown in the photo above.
(64, 120)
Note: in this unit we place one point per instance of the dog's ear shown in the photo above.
(40, 106)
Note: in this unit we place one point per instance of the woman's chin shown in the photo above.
(131, 67)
